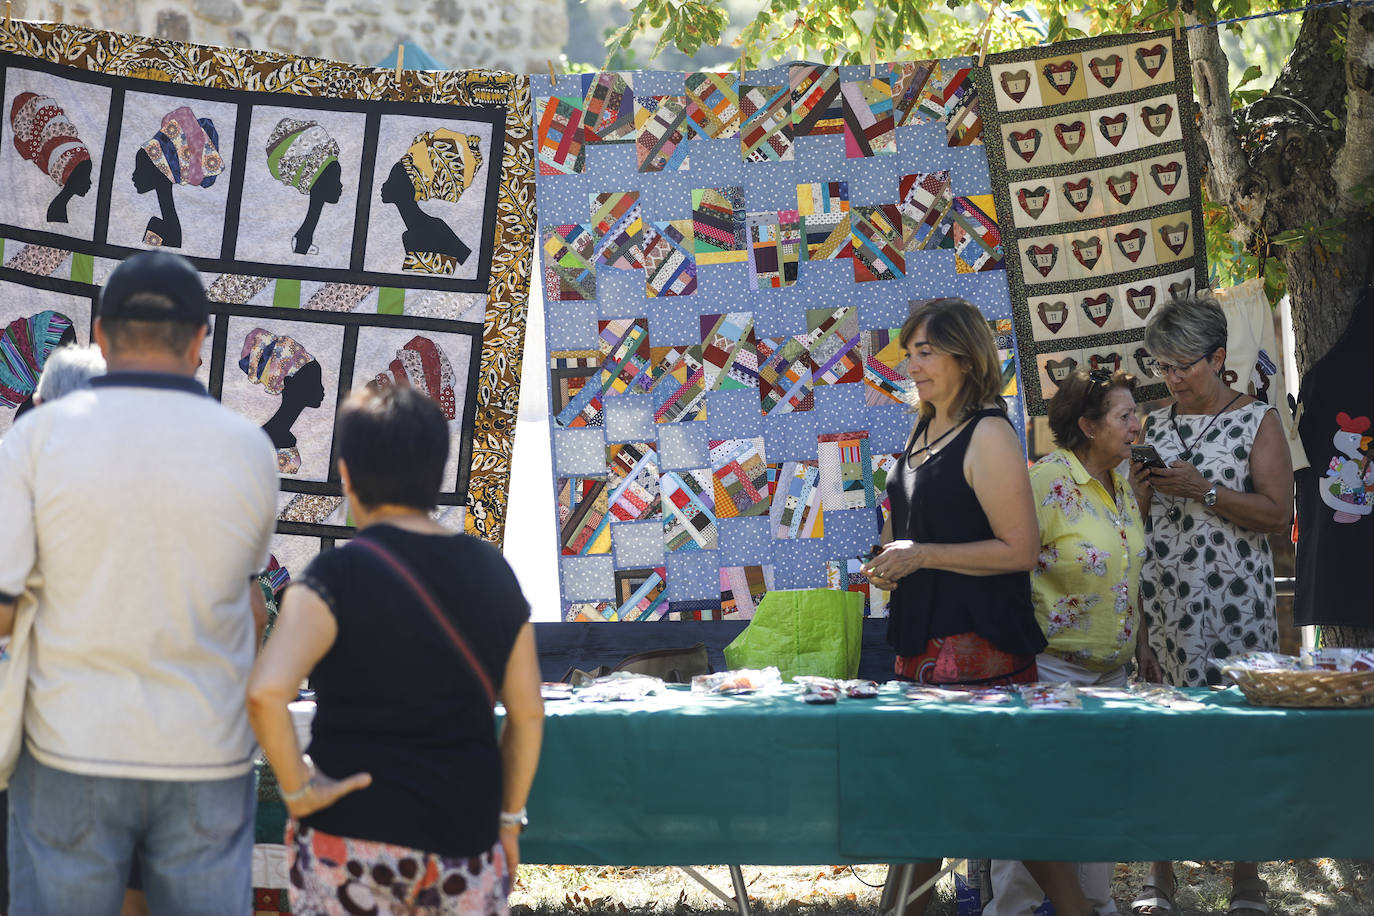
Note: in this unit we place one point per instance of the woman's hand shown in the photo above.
(897, 560)
(321, 791)
(510, 842)
(1147, 663)
(1141, 486)
(1180, 479)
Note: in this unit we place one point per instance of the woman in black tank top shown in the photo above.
(962, 537)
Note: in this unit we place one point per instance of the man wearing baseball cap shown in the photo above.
(134, 515)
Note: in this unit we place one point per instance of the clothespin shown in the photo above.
(986, 33)
(400, 59)
(1178, 20)
(553, 79)
(873, 58)
(60, 12)
(741, 65)
(9, 11)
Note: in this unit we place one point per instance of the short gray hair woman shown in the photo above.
(1207, 586)
(68, 369)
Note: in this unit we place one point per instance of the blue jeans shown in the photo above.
(72, 837)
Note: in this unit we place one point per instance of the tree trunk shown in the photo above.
(1283, 166)
(1301, 159)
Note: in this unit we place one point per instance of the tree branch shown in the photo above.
(1355, 162)
(1229, 175)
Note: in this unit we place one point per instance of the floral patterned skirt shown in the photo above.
(966, 659)
(339, 876)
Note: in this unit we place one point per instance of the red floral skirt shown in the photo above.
(966, 659)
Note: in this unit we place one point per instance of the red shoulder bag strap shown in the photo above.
(404, 573)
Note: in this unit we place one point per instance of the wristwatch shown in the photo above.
(1209, 499)
(515, 819)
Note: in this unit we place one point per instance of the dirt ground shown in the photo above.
(1315, 887)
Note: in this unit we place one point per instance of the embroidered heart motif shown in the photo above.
(1016, 85)
(1087, 251)
(1157, 118)
(1166, 176)
(1122, 187)
(1070, 135)
(1141, 301)
(1108, 361)
(1061, 75)
(1151, 60)
(1043, 257)
(1175, 237)
(1033, 202)
(1060, 369)
(1098, 308)
(1107, 70)
(1112, 129)
(1079, 193)
(1131, 244)
(1147, 363)
(1026, 143)
(1181, 289)
(1053, 315)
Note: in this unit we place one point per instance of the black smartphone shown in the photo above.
(1148, 456)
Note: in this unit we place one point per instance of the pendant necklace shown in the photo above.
(929, 445)
(1175, 512)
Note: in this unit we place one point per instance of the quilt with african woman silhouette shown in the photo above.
(351, 230)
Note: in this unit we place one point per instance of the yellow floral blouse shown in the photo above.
(1086, 585)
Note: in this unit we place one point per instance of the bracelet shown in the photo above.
(306, 786)
(514, 819)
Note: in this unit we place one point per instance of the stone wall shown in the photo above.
(515, 35)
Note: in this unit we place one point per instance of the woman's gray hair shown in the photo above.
(68, 369)
(1185, 329)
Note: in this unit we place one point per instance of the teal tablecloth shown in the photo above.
(764, 780)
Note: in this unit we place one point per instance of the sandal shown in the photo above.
(1155, 901)
(1249, 897)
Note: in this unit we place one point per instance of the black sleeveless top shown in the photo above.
(394, 699)
(934, 504)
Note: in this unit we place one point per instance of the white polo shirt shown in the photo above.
(142, 506)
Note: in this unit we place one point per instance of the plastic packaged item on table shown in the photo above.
(1165, 696)
(860, 689)
(1264, 661)
(622, 686)
(549, 690)
(1328, 659)
(991, 696)
(1107, 693)
(980, 696)
(730, 683)
(1051, 696)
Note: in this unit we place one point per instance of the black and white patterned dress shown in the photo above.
(1207, 587)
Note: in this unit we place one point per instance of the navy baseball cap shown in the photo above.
(155, 286)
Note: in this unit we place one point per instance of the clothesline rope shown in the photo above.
(1296, 9)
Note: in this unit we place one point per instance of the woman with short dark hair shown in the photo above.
(409, 633)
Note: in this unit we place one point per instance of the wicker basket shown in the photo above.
(1307, 688)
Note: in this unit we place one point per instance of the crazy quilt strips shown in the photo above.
(1092, 151)
(780, 242)
(377, 234)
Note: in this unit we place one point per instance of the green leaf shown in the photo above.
(1252, 72)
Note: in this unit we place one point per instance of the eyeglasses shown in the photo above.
(1168, 369)
(1096, 378)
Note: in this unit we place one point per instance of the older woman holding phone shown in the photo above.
(1086, 587)
(1208, 581)
(962, 536)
